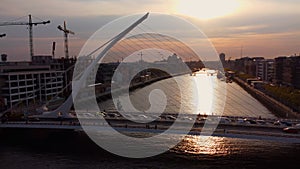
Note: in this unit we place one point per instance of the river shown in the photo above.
(67, 152)
(237, 101)
(64, 150)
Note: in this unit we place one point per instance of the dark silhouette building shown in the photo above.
(222, 58)
(287, 71)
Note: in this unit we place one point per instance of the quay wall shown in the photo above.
(273, 105)
(107, 95)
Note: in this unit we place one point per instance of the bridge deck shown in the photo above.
(234, 130)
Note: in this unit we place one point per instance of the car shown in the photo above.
(170, 117)
(249, 121)
(282, 123)
(297, 126)
(186, 118)
(287, 123)
(113, 115)
(261, 122)
(240, 121)
(224, 120)
(291, 130)
(277, 123)
(101, 114)
(218, 120)
(141, 116)
(34, 119)
(155, 117)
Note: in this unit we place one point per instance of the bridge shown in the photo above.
(233, 127)
(236, 127)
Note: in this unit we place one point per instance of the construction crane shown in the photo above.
(53, 49)
(66, 32)
(2, 35)
(30, 25)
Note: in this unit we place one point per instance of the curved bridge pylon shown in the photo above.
(64, 109)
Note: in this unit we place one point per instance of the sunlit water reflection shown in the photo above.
(67, 152)
(211, 95)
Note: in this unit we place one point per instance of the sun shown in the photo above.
(206, 9)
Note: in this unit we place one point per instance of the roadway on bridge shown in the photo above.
(263, 129)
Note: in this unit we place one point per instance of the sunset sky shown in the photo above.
(267, 28)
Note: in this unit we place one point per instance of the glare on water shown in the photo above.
(211, 94)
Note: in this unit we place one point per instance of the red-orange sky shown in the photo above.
(267, 28)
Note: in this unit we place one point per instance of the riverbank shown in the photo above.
(277, 108)
(107, 95)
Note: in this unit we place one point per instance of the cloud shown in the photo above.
(69, 8)
(263, 26)
(256, 24)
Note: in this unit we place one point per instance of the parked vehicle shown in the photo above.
(292, 130)
(170, 117)
(103, 114)
(186, 118)
(297, 126)
(249, 121)
(141, 116)
(113, 115)
(240, 121)
(282, 123)
(225, 120)
(261, 122)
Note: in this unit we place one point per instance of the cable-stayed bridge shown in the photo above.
(117, 47)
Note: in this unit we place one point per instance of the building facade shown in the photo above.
(265, 70)
(26, 83)
(287, 71)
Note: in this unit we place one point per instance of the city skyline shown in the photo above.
(156, 84)
(240, 27)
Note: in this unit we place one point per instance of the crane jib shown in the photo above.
(30, 24)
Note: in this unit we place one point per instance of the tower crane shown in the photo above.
(66, 32)
(53, 49)
(30, 25)
(2, 35)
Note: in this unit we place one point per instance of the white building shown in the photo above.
(265, 69)
(26, 83)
